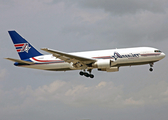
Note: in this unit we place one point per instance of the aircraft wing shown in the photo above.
(78, 61)
(19, 61)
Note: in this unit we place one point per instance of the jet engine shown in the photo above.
(106, 65)
(103, 63)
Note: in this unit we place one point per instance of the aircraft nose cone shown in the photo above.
(163, 55)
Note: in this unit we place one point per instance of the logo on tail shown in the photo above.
(22, 47)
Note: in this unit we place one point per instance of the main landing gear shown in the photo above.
(86, 74)
(151, 65)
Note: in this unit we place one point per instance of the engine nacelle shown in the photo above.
(103, 63)
(111, 69)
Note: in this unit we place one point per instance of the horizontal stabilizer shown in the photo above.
(19, 61)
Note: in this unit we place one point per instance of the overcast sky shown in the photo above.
(82, 25)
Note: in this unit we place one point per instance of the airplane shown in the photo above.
(102, 60)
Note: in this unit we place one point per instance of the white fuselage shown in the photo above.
(118, 57)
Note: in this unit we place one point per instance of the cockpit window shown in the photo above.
(158, 51)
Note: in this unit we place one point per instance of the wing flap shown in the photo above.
(19, 61)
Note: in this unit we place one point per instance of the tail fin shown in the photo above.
(24, 48)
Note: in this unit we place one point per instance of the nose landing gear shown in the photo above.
(151, 69)
(151, 65)
(86, 74)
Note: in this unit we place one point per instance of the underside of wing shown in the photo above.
(19, 61)
(78, 61)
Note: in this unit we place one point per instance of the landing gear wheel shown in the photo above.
(86, 74)
(91, 76)
(81, 73)
(151, 65)
(151, 69)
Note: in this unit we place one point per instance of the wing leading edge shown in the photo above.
(78, 61)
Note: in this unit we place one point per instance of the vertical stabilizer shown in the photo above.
(24, 48)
